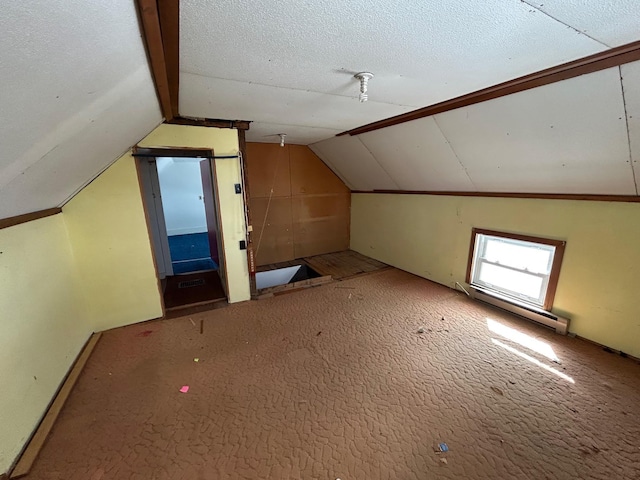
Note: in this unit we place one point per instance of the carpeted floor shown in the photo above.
(336, 382)
(198, 265)
(190, 253)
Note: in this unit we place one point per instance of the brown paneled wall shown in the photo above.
(299, 207)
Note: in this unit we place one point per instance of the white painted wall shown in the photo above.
(181, 187)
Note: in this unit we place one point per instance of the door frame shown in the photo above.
(141, 154)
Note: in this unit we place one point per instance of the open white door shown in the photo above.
(153, 200)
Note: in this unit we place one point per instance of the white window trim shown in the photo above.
(550, 281)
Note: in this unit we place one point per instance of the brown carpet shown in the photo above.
(335, 382)
(178, 294)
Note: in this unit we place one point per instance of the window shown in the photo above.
(520, 268)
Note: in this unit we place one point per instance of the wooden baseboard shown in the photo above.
(30, 453)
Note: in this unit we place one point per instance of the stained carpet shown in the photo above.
(336, 382)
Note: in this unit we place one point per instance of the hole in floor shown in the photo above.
(283, 276)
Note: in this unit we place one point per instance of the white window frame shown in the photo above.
(479, 242)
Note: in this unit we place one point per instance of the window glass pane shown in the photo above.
(511, 281)
(520, 255)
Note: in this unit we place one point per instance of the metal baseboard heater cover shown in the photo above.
(560, 324)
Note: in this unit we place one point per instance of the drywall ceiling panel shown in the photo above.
(298, 135)
(417, 156)
(420, 52)
(68, 66)
(612, 22)
(631, 83)
(353, 163)
(88, 150)
(216, 98)
(568, 137)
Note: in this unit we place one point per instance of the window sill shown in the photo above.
(513, 301)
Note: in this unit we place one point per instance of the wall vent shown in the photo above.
(191, 283)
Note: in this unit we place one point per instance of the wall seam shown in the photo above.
(378, 162)
(435, 120)
(331, 166)
(626, 118)
(539, 9)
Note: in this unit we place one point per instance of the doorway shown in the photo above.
(182, 208)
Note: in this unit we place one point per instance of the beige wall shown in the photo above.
(223, 141)
(429, 236)
(109, 238)
(43, 325)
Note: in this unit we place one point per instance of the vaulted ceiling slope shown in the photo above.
(76, 94)
(288, 66)
(578, 136)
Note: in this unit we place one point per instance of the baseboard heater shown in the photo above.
(560, 324)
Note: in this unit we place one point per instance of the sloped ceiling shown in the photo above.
(578, 136)
(77, 91)
(76, 94)
(288, 66)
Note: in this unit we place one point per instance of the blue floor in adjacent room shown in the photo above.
(190, 253)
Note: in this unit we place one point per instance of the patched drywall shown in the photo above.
(429, 236)
(43, 325)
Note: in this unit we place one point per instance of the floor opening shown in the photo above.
(283, 276)
(191, 289)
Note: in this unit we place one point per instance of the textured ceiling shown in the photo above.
(577, 136)
(288, 65)
(76, 93)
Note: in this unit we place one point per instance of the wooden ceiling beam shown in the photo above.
(540, 196)
(152, 35)
(169, 16)
(593, 63)
(211, 122)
